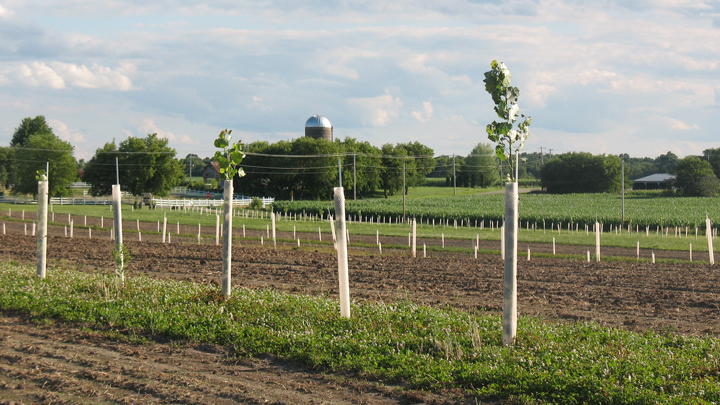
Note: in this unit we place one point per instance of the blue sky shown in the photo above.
(637, 77)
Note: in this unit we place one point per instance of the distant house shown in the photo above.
(657, 181)
(211, 171)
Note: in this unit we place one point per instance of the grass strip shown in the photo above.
(428, 348)
(625, 240)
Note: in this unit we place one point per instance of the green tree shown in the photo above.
(443, 167)
(665, 163)
(480, 168)
(37, 149)
(423, 165)
(694, 177)
(7, 158)
(193, 164)
(367, 165)
(637, 168)
(146, 165)
(29, 126)
(713, 157)
(505, 96)
(391, 176)
(582, 173)
(304, 167)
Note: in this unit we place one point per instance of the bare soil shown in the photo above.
(56, 364)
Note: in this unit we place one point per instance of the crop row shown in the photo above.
(583, 209)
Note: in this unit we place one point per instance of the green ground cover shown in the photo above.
(429, 348)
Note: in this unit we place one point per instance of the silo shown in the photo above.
(318, 127)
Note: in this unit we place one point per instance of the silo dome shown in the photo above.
(318, 127)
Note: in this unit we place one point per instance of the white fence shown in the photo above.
(87, 200)
(158, 202)
(189, 203)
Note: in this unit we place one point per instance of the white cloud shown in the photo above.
(188, 140)
(588, 68)
(95, 77)
(425, 114)
(377, 111)
(65, 133)
(673, 123)
(40, 75)
(5, 13)
(60, 75)
(148, 126)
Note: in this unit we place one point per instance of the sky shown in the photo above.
(606, 76)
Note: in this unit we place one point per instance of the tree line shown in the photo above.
(145, 164)
(307, 168)
(579, 172)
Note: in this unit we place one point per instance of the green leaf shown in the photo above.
(221, 143)
(236, 157)
(500, 152)
(503, 128)
(240, 172)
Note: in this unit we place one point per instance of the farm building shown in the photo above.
(318, 127)
(211, 171)
(657, 181)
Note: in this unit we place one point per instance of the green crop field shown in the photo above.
(641, 209)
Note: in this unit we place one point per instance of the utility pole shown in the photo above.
(542, 162)
(354, 180)
(403, 191)
(454, 177)
(340, 170)
(623, 191)
(550, 152)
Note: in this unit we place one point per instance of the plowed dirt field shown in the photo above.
(59, 364)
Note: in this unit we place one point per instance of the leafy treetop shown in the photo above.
(231, 155)
(29, 126)
(505, 96)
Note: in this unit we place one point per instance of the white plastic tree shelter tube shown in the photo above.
(414, 239)
(227, 239)
(164, 229)
(42, 228)
(502, 242)
(334, 235)
(597, 241)
(217, 230)
(117, 212)
(272, 220)
(708, 232)
(510, 279)
(342, 253)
